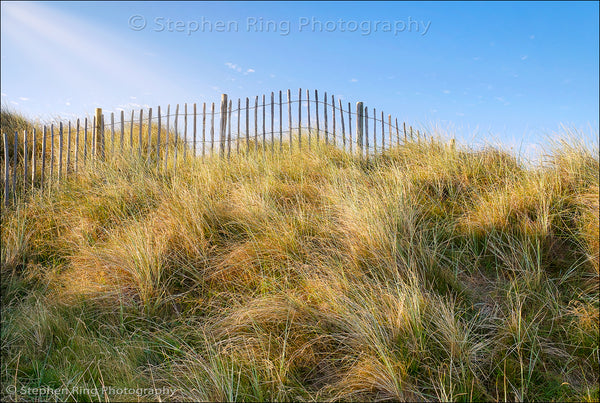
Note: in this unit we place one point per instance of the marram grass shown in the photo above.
(432, 272)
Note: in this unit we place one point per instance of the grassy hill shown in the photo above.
(432, 272)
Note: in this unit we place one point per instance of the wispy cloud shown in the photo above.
(24, 98)
(3, 94)
(446, 91)
(234, 66)
(524, 57)
(354, 80)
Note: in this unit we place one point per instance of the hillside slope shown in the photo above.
(432, 272)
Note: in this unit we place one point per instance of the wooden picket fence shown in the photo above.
(47, 154)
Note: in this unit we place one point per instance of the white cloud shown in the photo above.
(250, 71)
(24, 98)
(132, 97)
(460, 114)
(3, 94)
(68, 103)
(524, 57)
(14, 103)
(531, 36)
(446, 91)
(353, 80)
(272, 75)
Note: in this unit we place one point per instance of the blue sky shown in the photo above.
(509, 72)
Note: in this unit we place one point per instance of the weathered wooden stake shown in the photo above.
(229, 130)
(247, 125)
(350, 126)
(25, 159)
(33, 158)
(68, 148)
(317, 114)
(98, 134)
(167, 136)
(343, 127)
(60, 150)
(15, 162)
(359, 126)
(6, 169)
(308, 118)
(43, 172)
(300, 119)
(289, 98)
(325, 118)
(203, 129)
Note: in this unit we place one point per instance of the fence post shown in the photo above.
(98, 127)
(359, 126)
(6, 169)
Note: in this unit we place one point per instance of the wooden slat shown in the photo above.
(141, 122)
(131, 130)
(212, 128)
(343, 126)
(256, 124)
(317, 115)
(374, 131)
(122, 129)
(168, 128)
(404, 129)
(272, 122)
(289, 98)
(203, 129)
(185, 125)
(158, 133)
(325, 118)
(333, 120)
(366, 117)
(102, 140)
(350, 126)
(308, 118)
(247, 125)
(60, 150)
(239, 114)
(195, 129)
(25, 159)
(6, 170)
(43, 171)
(264, 134)
(69, 148)
(52, 152)
(229, 130)
(85, 140)
(15, 160)
(300, 119)
(33, 157)
(397, 134)
(175, 136)
(222, 124)
(93, 138)
(112, 133)
(149, 132)
(359, 127)
(280, 123)
(76, 145)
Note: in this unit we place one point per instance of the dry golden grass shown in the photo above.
(431, 272)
